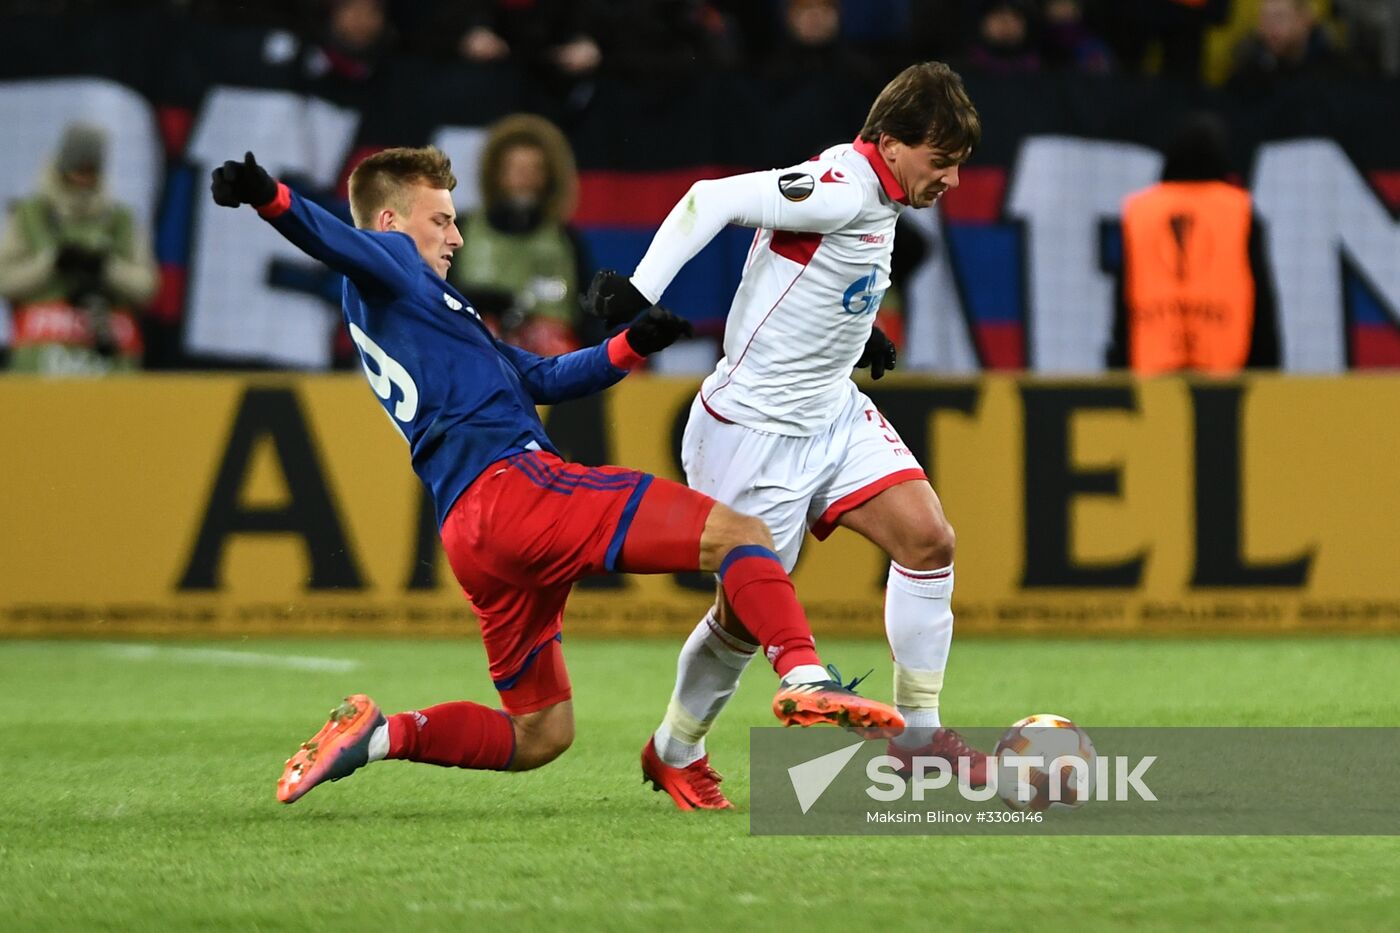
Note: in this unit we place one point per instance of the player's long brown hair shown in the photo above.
(926, 103)
(380, 180)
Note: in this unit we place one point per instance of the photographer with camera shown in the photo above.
(75, 268)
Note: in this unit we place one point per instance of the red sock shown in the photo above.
(454, 735)
(761, 593)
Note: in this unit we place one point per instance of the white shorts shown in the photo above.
(796, 483)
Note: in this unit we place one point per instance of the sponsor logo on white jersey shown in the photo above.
(862, 296)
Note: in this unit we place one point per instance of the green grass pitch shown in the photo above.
(138, 794)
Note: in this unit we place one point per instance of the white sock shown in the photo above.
(807, 674)
(919, 624)
(379, 742)
(707, 674)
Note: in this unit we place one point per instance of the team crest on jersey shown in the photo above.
(796, 186)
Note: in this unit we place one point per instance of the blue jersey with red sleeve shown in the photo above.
(460, 397)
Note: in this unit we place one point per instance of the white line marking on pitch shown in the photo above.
(220, 656)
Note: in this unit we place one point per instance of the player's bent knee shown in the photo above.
(931, 547)
(752, 530)
(540, 751)
(537, 750)
(945, 541)
(542, 736)
(727, 529)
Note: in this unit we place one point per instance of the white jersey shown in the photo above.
(813, 280)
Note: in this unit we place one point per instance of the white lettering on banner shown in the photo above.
(232, 311)
(1063, 189)
(391, 373)
(938, 337)
(34, 114)
(1319, 210)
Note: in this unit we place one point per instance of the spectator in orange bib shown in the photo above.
(75, 268)
(1194, 291)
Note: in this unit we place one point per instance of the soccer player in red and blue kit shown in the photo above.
(519, 524)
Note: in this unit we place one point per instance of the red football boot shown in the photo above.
(951, 747)
(694, 787)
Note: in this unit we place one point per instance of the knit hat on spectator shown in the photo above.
(82, 149)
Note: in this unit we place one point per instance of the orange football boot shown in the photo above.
(338, 750)
(828, 701)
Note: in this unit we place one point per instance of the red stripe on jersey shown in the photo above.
(826, 524)
(799, 247)
(740, 361)
(753, 245)
(893, 190)
(713, 414)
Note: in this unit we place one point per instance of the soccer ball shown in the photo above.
(1064, 778)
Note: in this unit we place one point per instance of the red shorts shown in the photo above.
(531, 526)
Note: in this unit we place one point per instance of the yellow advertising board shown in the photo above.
(228, 505)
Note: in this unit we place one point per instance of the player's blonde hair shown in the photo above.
(382, 180)
(926, 103)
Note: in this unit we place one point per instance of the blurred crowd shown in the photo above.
(77, 271)
(1246, 41)
(75, 267)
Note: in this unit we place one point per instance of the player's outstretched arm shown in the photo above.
(368, 259)
(551, 379)
(754, 199)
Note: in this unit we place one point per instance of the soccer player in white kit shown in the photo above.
(780, 431)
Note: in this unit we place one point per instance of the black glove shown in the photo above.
(879, 354)
(656, 329)
(613, 298)
(80, 263)
(245, 182)
(82, 270)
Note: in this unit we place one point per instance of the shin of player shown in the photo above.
(907, 521)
